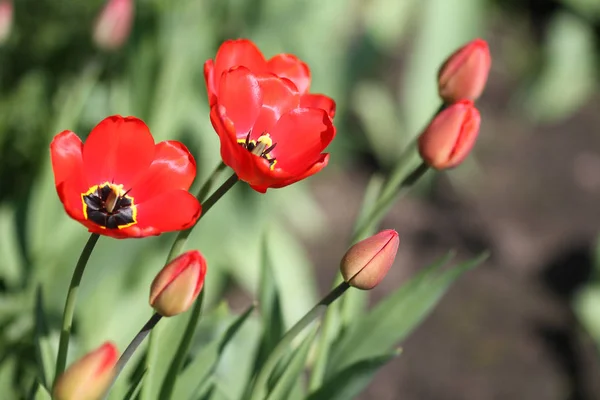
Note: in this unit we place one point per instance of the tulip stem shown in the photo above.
(132, 347)
(67, 321)
(258, 391)
(182, 236)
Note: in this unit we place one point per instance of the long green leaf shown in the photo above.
(135, 386)
(43, 349)
(290, 376)
(352, 380)
(193, 378)
(396, 316)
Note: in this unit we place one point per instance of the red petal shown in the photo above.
(118, 150)
(279, 97)
(173, 168)
(316, 167)
(170, 211)
(241, 96)
(233, 53)
(69, 193)
(209, 71)
(65, 152)
(321, 101)
(301, 135)
(290, 67)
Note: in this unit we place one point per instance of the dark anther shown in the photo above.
(270, 149)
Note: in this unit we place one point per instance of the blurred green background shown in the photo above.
(522, 326)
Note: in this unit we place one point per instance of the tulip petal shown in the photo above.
(234, 53)
(310, 100)
(316, 167)
(66, 154)
(169, 211)
(291, 67)
(118, 150)
(301, 135)
(279, 97)
(173, 168)
(241, 96)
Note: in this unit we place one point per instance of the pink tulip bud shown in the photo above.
(367, 262)
(464, 74)
(88, 378)
(178, 284)
(449, 138)
(114, 24)
(6, 19)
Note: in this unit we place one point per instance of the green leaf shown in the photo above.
(350, 381)
(289, 378)
(270, 309)
(396, 316)
(38, 392)
(135, 386)
(195, 377)
(43, 347)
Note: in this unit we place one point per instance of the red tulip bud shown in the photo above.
(178, 284)
(88, 378)
(6, 19)
(367, 262)
(114, 24)
(464, 74)
(450, 136)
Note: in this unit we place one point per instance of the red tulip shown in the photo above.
(464, 74)
(367, 262)
(449, 138)
(120, 184)
(267, 136)
(114, 24)
(178, 284)
(89, 377)
(242, 52)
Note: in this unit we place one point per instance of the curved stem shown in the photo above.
(67, 321)
(182, 236)
(286, 341)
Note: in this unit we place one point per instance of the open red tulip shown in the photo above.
(120, 184)
(242, 52)
(268, 137)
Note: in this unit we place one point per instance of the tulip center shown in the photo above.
(109, 206)
(261, 147)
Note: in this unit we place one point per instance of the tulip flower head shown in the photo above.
(114, 24)
(367, 262)
(272, 131)
(120, 184)
(178, 284)
(464, 74)
(6, 19)
(88, 378)
(449, 138)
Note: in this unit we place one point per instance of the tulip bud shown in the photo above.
(114, 24)
(178, 284)
(6, 19)
(367, 262)
(464, 74)
(88, 378)
(448, 139)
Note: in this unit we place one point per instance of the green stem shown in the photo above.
(286, 341)
(182, 236)
(169, 383)
(67, 322)
(176, 249)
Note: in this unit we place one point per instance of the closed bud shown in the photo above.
(114, 24)
(6, 20)
(178, 284)
(464, 74)
(367, 262)
(88, 378)
(449, 138)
